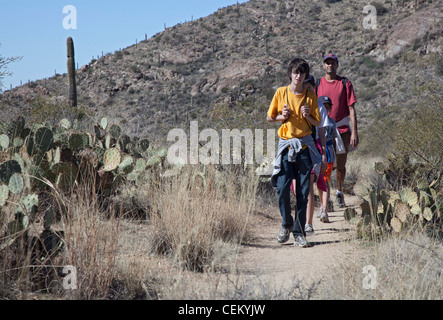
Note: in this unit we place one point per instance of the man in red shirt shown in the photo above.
(341, 92)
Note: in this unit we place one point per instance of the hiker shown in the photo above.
(309, 84)
(341, 93)
(297, 110)
(331, 134)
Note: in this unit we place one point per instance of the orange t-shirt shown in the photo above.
(296, 126)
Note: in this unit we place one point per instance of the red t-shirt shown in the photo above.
(340, 100)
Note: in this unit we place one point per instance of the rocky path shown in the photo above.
(281, 264)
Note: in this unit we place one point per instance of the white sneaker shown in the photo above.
(324, 217)
(319, 212)
(300, 241)
(340, 199)
(309, 228)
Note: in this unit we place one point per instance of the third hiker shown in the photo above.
(341, 92)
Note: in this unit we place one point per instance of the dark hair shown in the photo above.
(298, 65)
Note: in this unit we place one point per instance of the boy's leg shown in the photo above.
(284, 180)
(311, 201)
(302, 172)
(324, 210)
(327, 176)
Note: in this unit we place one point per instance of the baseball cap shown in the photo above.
(325, 99)
(330, 56)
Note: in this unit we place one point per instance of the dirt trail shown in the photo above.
(279, 264)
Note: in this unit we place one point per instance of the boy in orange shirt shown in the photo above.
(297, 110)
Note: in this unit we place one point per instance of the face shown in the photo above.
(327, 106)
(298, 77)
(330, 66)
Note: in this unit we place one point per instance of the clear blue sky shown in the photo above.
(34, 29)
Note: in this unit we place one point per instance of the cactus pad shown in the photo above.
(78, 141)
(428, 214)
(4, 141)
(154, 161)
(66, 175)
(28, 205)
(7, 169)
(402, 211)
(379, 167)
(143, 145)
(410, 196)
(111, 159)
(396, 224)
(65, 123)
(104, 123)
(127, 164)
(4, 193)
(115, 131)
(16, 127)
(43, 139)
(16, 183)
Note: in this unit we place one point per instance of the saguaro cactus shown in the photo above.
(72, 87)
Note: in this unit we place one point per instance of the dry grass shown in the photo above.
(196, 210)
(194, 224)
(406, 268)
(90, 243)
(360, 171)
(196, 221)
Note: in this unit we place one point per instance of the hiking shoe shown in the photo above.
(330, 206)
(319, 212)
(309, 228)
(283, 235)
(324, 217)
(340, 199)
(300, 241)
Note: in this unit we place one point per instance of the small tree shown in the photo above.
(4, 62)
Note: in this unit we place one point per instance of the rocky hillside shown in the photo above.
(222, 70)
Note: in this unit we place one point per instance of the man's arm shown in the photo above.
(353, 117)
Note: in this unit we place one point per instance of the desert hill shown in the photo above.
(222, 70)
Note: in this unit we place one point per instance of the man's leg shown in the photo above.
(341, 160)
(302, 171)
(341, 170)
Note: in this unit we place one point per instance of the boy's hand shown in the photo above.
(286, 113)
(305, 111)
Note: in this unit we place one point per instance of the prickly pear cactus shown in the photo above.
(16, 183)
(115, 131)
(111, 159)
(4, 141)
(7, 169)
(65, 123)
(43, 139)
(4, 193)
